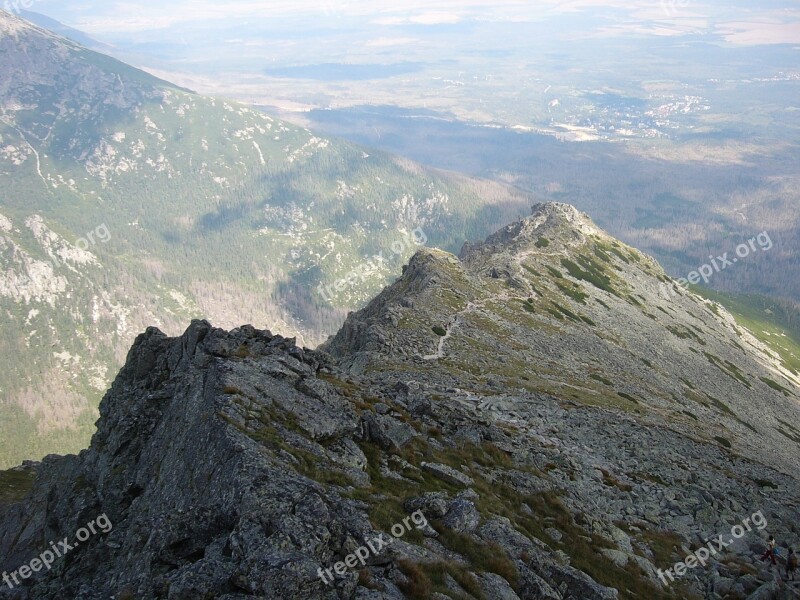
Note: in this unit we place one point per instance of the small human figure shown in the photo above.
(770, 552)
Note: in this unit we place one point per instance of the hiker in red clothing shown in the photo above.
(770, 553)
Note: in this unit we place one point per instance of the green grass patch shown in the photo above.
(789, 436)
(602, 254)
(628, 397)
(729, 369)
(566, 312)
(789, 426)
(583, 548)
(15, 484)
(531, 514)
(484, 558)
(613, 248)
(573, 292)
(723, 441)
(651, 477)
(277, 427)
(423, 580)
(765, 483)
(591, 272)
(685, 333)
(774, 322)
(665, 545)
(531, 270)
(777, 386)
(554, 272)
(601, 379)
(720, 405)
(611, 481)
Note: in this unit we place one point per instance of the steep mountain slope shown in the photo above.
(551, 304)
(126, 202)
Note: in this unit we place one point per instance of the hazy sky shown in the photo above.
(752, 22)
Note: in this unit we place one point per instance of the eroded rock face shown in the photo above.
(198, 505)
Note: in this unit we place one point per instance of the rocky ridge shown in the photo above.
(552, 304)
(238, 465)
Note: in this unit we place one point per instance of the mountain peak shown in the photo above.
(549, 221)
(13, 25)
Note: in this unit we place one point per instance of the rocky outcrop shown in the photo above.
(74, 293)
(200, 485)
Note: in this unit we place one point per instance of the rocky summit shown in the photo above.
(536, 419)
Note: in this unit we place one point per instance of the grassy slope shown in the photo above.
(774, 322)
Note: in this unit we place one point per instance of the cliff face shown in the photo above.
(198, 503)
(410, 463)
